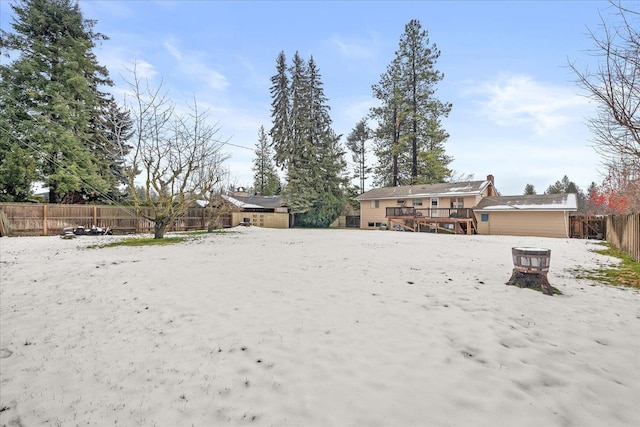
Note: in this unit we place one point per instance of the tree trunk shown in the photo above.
(395, 170)
(159, 228)
(53, 194)
(396, 139)
(362, 172)
(537, 281)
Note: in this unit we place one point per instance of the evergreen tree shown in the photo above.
(280, 111)
(329, 185)
(299, 191)
(17, 160)
(357, 144)
(265, 179)
(309, 150)
(564, 186)
(529, 190)
(391, 116)
(411, 134)
(49, 94)
(114, 129)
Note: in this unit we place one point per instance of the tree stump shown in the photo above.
(537, 281)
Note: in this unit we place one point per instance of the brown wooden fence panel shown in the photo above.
(623, 232)
(58, 217)
(120, 219)
(22, 218)
(51, 219)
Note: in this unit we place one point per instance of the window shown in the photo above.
(400, 201)
(457, 202)
(484, 217)
(434, 202)
(417, 202)
(375, 204)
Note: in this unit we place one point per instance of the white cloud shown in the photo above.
(144, 69)
(353, 49)
(173, 50)
(193, 64)
(519, 100)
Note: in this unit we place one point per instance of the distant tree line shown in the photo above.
(591, 202)
(406, 130)
(60, 126)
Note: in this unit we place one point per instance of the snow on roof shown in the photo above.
(240, 204)
(538, 202)
(425, 190)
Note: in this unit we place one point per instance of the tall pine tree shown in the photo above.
(391, 116)
(410, 140)
(49, 95)
(280, 112)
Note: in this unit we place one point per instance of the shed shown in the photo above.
(543, 215)
(262, 211)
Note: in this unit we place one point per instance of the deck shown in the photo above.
(446, 220)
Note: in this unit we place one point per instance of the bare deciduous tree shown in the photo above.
(615, 86)
(178, 156)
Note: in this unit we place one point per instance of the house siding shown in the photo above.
(524, 223)
(374, 215)
(261, 219)
(378, 215)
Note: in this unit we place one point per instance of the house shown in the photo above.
(544, 215)
(261, 211)
(444, 206)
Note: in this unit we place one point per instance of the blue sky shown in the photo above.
(517, 113)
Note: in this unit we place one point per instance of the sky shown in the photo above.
(517, 112)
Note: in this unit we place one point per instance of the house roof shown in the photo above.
(467, 188)
(537, 202)
(255, 202)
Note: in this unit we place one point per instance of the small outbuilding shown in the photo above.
(543, 215)
(261, 211)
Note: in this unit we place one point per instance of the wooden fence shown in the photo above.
(623, 232)
(27, 219)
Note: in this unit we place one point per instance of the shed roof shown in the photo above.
(536, 202)
(255, 202)
(467, 188)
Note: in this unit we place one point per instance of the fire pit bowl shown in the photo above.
(531, 260)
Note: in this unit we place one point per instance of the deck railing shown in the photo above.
(412, 212)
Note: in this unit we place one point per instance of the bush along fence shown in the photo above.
(29, 219)
(623, 232)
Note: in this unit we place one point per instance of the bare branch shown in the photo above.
(179, 154)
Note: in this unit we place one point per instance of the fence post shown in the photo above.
(44, 219)
(95, 215)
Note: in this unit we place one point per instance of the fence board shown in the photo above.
(623, 232)
(31, 219)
